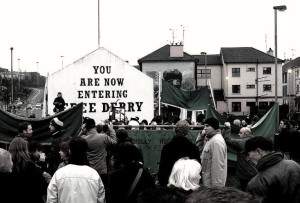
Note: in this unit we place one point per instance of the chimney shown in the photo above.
(270, 52)
(176, 50)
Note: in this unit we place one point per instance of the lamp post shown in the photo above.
(19, 73)
(205, 64)
(289, 90)
(11, 72)
(276, 8)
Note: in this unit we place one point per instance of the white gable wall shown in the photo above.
(79, 79)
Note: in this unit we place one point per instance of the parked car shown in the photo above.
(38, 105)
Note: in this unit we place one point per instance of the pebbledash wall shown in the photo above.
(102, 80)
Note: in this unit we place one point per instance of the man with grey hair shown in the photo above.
(177, 148)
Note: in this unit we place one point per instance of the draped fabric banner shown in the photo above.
(211, 112)
(151, 143)
(268, 124)
(72, 119)
(190, 100)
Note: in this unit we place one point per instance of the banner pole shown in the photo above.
(159, 93)
(212, 94)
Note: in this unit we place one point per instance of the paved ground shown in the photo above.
(36, 97)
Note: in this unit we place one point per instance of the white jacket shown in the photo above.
(76, 184)
(214, 162)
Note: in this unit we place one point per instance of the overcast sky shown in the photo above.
(44, 30)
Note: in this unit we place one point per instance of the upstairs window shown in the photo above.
(204, 73)
(236, 89)
(267, 88)
(250, 86)
(251, 69)
(267, 70)
(236, 72)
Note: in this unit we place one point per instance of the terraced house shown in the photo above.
(240, 77)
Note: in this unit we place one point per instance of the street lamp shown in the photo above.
(289, 90)
(11, 71)
(279, 8)
(205, 63)
(19, 73)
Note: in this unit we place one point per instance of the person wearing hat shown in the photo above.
(214, 155)
(56, 133)
(177, 148)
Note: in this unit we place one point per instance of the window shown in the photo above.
(236, 72)
(250, 86)
(297, 73)
(236, 89)
(251, 69)
(263, 105)
(298, 88)
(267, 88)
(250, 104)
(266, 70)
(284, 91)
(204, 73)
(236, 106)
(284, 77)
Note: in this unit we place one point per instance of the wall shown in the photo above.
(101, 74)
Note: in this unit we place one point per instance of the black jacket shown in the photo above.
(29, 184)
(7, 190)
(177, 148)
(52, 157)
(278, 180)
(59, 104)
(120, 181)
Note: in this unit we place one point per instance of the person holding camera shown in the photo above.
(97, 144)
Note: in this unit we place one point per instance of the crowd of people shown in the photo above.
(102, 164)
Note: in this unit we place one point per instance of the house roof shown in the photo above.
(163, 54)
(292, 64)
(212, 59)
(246, 55)
(3, 69)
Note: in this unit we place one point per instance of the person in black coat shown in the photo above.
(177, 148)
(53, 157)
(6, 179)
(59, 103)
(127, 166)
(29, 182)
(278, 179)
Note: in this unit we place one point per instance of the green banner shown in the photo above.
(268, 124)
(190, 100)
(151, 143)
(72, 119)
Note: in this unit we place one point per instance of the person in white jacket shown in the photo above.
(76, 182)
(214, 156)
